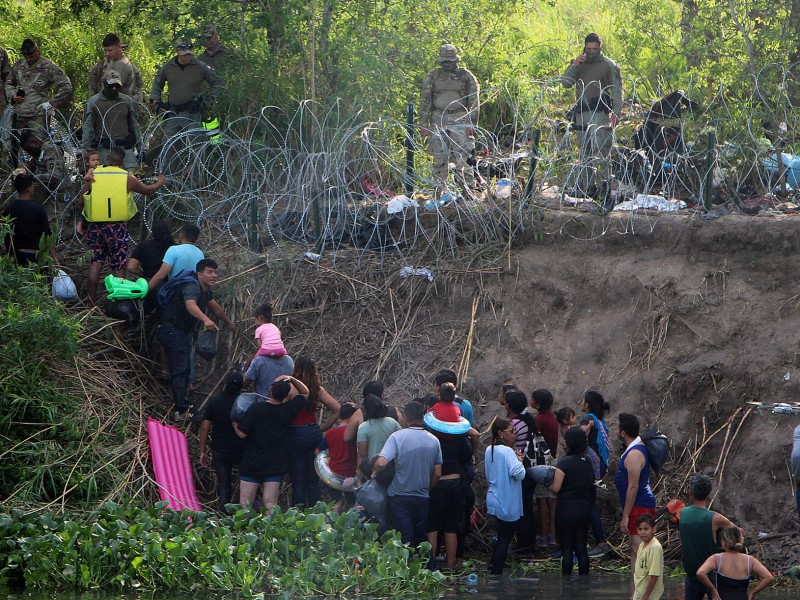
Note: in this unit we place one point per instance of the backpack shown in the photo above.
(657, 445)
(537, 452)
(168, 290)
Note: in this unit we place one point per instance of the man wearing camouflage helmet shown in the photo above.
(598, 92)
(184, 77)
(448, 112)
(29, 85)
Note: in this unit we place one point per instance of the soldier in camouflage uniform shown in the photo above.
(598, 91)
(5, 71)
(29, 85)
(448, 113)
(47, 165)
(185, 76)
(116, 61)
(110, 121)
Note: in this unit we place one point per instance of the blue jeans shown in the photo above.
(223, 469)
(177, 345)
(594, 518)
(409, 516)
(526, 526)
(301, 442)
(505, 533)
(694, 590)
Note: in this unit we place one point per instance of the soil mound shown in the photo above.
(678, 320)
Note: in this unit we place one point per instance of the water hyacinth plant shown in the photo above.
(312, 552)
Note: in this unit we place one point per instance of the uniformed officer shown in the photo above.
(29, 85)
(184, 76)
(598, 93)
(115, 60)
(110, 121)
(216, 56)
(448, 112)
(47, 163)
(5, 71)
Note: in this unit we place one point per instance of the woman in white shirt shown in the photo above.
(504, 473)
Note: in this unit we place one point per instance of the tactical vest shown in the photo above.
(111, 118)
(109, 200)
(449, 91)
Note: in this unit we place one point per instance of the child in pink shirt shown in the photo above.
(268, 335)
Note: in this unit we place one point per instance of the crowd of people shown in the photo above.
(396, 468)
(35, 87)
(423, 477)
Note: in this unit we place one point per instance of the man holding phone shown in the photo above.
(598, 101)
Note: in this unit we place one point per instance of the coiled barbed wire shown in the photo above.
(322, 177)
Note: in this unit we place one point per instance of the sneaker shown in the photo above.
(180, 417)
(552, 541)
(599, 550)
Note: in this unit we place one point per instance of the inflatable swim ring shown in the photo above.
(455, 428)
(328, 477)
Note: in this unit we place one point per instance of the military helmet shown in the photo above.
(448, 53)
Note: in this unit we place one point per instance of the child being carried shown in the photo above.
(268, 335)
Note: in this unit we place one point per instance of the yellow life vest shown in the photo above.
(109, 199)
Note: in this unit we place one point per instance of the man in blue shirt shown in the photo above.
(183, 257)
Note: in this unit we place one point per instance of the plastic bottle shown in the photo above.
(472, 579)
(502, 189)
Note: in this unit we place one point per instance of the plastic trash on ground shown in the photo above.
(445, 198)
(400, 203)
(407, 272)
(64, 288)
(644, 201)
(503, 188)
(791, 166)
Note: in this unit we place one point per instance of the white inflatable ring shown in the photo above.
(455, 428)
(328, 477)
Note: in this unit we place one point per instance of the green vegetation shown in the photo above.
(41, 426)
(375, 55)
(315, 552)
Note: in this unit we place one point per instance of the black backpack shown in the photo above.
(537, 452)
(657, 445)
(169, 288)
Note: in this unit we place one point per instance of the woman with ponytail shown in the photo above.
(727, 575)
(504, 474)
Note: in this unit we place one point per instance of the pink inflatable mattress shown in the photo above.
(171, 465)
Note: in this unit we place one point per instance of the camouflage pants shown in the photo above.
(595, 137)
(451, 144)
(36, 123)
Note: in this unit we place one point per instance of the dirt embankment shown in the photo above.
(678, 320)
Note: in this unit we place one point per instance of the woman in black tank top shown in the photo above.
(728, 574)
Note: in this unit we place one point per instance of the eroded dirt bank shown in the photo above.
(678, 320)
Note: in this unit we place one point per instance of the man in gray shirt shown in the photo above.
(417, 459)
(264, 370)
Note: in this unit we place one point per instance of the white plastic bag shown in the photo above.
(64, 288)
